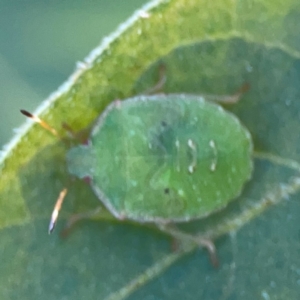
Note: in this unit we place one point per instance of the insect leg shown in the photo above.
(198, 240)
(158, 87)
(96, 214)
(228, 99)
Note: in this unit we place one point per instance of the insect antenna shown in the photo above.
(44, 124)
(56, 209)
(63, 193)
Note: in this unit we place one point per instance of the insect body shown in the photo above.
(165, 159)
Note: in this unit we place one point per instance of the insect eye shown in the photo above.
(166, 191)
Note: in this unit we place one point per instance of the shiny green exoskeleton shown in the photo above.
(162, 159)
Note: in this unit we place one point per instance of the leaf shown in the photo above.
(210, 47)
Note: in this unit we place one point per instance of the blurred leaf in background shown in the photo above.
(209, 47)
(40, 43)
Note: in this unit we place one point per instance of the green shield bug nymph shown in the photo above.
(163, 159)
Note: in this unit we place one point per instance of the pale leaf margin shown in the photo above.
(81, 67)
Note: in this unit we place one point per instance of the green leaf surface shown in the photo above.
(209, 47)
